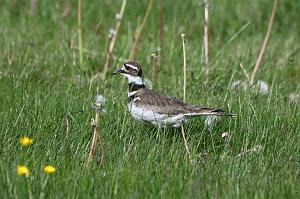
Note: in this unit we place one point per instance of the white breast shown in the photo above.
(146, 114)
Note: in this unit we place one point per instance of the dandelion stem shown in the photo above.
(206, 41)
(184, 66)
(96, 135)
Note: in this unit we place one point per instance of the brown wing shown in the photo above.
(161, 104)
(171, 106)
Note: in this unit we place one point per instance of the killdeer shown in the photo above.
(154, 108)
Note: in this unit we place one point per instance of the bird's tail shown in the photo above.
(196, 111)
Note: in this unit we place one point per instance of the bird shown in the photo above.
(155, 108)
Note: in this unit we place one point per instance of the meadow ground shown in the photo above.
(41, 81)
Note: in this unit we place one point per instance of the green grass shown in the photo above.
(41, 81)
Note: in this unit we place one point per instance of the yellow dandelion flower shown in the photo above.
(49, 169)
(26, 141)
(23, 170)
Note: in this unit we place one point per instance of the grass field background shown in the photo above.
(41, 81)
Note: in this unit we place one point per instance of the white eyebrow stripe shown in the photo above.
(132, 66)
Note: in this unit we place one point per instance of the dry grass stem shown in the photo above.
(184, 66)
(34, 7)
(161, 23)
(206, 41)
(265, 43)
(138, 32)
(254, 149)
(79, 29)
(185, 144)
(68, 124)
(244, 71)
(113, 38)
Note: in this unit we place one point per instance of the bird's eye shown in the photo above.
(127, 67)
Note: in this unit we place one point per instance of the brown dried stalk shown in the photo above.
(67, 9)
(206, 41)
(94, 145)
(96, 136)
(161, 23)
(34, 7)
(113, 39)
(79, 29)
(154, 68)
(138, 32)
(265, 43)
(155, 58)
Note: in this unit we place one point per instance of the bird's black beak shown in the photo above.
(117, 71)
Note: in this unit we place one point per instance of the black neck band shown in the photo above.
(135, 87)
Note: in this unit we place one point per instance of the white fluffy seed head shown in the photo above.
(226, 136)
(294, 97)
(210, 121)
(261, 87)
(100, 99)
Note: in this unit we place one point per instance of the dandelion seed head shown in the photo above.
(294, 97)
(237, 85)
(226, 136)
(262, 87)
(112, 32)
(100, 99)
(118, 16)
(210, 121)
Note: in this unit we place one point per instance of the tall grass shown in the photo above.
(40, 86)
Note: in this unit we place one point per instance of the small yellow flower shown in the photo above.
(23, 170)
(49, 169)
(26, 141)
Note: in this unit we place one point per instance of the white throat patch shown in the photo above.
(132, 79)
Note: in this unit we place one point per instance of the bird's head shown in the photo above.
(132, 71)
